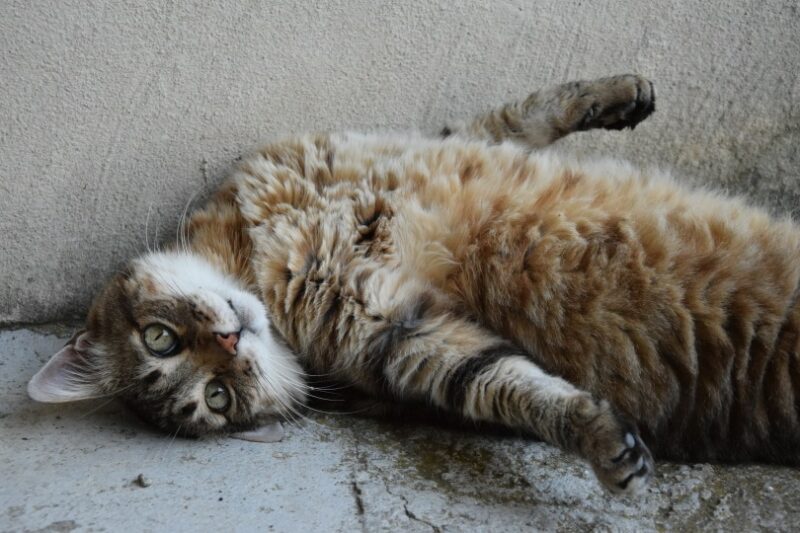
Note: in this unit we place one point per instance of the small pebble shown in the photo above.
(142, 481)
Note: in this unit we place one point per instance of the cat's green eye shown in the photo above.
(218, 398)
(160, 340)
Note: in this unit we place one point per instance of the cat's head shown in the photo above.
(183, 345)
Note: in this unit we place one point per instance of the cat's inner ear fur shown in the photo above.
(69, 375)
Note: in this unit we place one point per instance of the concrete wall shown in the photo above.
(109, 111)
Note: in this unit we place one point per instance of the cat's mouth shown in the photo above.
(271, 432)
(244, 324)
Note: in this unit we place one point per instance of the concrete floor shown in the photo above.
(72, 467)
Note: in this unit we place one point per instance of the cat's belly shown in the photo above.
(691, 331)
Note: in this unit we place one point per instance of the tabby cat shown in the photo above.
(594, 306)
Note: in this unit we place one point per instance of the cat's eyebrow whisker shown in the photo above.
(180, 231)
(156, 247)
(146, 228)
(161, 452)
(169, 444)
(96, 408)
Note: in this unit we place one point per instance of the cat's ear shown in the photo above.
(68, 375)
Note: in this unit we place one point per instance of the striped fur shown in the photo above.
(583, 303)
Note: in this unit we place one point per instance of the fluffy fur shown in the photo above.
(587, 304)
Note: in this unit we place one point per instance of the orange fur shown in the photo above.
(677, 306)
(583, 302)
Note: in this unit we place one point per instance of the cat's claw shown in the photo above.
(619, 458)
(630, 470)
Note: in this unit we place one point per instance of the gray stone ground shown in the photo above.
(72, 467)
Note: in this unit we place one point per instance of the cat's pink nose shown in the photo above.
(228, 341)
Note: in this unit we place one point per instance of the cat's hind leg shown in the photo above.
(547, 115)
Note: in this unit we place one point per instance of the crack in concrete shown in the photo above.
(408, 512)
(357, 493)
(355, 487)
(414, 517)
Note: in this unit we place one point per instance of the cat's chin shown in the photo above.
(272, 432)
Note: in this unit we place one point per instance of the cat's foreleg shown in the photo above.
(549, 114)
(457, 366)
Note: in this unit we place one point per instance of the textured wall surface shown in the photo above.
(110, 111)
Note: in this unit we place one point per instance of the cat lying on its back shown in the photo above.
(593, 306)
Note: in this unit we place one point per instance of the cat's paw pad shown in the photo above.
(619, 458)
(629, 470)
(613, 103)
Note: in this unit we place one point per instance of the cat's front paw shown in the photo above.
(612, 103)
(619, 458)
(629, 470)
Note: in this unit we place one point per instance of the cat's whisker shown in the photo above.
(146, 228)
(286, 409)
(302, 386)
(336, 413)
(320, 375)
(160, 453)
(111, 397)
(331, 387)
(95, 409)
(181, 236)
(291, 413)
(292, 416)
(172, 441)
(156, 245)
(291, 380)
